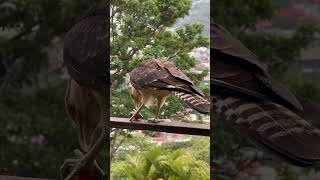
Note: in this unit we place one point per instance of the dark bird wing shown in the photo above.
(239, 68)
(163, 75)
(255, 105)
(86, 48)
(222, 40)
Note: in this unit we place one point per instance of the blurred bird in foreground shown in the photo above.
(85, 55)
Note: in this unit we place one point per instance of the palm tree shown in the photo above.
(159, 164)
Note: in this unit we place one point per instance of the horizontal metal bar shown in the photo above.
(164, 126)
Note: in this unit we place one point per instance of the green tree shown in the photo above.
(140, 29)
(28, 28)
(157, 163)
(277, 50)
(144, 29)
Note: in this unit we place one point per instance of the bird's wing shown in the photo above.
(158, 74)
(222, 40)
(86, 48)
(100, 9)
(237, 67)
(255, 105)
(162, 75)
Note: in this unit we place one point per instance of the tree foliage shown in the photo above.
(143, 29)
(35, 135)
(28, 27)
(276, 49)
(242, 14)
(167, 162)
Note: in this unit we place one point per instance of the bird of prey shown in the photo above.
(158, 79)
(85, 56)
(258, 107)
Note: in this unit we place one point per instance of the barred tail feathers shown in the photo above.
(194, 101)
(273, 126)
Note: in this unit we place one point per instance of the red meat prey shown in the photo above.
(87, 175)
(136, 117)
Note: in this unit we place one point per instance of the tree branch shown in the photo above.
(174, 55)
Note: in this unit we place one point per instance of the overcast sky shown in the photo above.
(199, 13)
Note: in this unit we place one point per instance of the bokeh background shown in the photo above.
(35, 135)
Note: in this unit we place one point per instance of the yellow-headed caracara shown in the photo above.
(247, 99)
(158, 79)
(85, 55)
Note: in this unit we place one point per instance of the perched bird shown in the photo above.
(86, 58)
(258, 107)
(158, 79)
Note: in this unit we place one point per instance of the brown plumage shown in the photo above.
(82, 108)
(246, 97)
(159, 79)
(86, 47)
(85, 55)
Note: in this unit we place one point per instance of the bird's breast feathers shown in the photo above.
(147, 96)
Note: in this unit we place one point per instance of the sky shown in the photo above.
(199, 13)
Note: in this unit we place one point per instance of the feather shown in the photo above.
(159, 79)
(258, 107)
(194, 101)
(86, 47)
(150, 75)
(222, 40)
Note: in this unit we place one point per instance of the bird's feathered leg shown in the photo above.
(104, 138)
(83, 110)
(160, 103)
